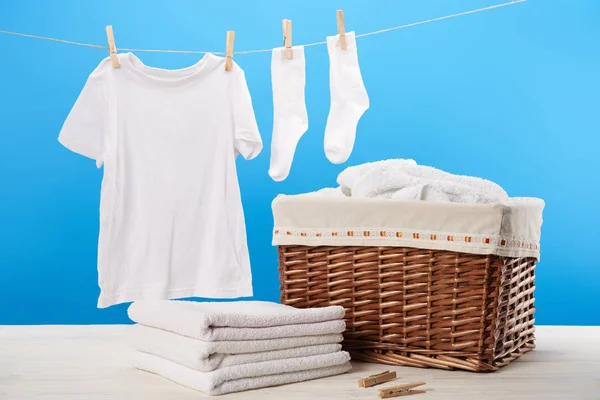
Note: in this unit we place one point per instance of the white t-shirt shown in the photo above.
(171, 218)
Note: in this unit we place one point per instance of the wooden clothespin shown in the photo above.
(377, 379)
(112, 48)
(229, 50)
(401, 390)
(341, 28)
(287, 38)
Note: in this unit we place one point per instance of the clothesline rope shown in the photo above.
(95, 46)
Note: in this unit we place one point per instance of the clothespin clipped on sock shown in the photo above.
(401, 390)
(229, 50)
(112, 48)
(377, 379)
(341, 28)
(287, 38)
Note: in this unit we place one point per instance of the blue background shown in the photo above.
(512, 95)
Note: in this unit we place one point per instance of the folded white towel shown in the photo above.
(208, 356)
(405, 180)
(240, 320)
(247, 376)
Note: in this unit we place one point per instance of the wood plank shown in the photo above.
(92, 362)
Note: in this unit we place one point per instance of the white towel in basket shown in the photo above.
(208, 356)
(240, 320)
(247, 376)
(405, 180)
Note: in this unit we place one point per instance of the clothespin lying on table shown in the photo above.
(341, 28)
(401, 390)
(287, 38)
(229, 50)
(112, 48)
(377, 379)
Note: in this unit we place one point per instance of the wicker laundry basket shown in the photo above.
(413, 306)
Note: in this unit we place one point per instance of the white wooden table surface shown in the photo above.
(92, 362)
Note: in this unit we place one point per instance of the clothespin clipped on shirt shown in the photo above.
(341, 28)
(287, 38)
(401, 390)
(229, 50)
(112, 48)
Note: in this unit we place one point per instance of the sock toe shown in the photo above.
(277, 174)
(336, 155)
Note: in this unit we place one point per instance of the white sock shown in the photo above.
(349, 99)
(290, 119)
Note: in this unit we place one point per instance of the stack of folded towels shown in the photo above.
(220, 348)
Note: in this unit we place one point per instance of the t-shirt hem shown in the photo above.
(126, 296)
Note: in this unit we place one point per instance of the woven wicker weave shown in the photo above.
(415, 307)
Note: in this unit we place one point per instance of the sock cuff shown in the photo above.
(297, 53)
(333, 42)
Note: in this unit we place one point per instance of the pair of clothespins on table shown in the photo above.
(112, 48)
(393, 391)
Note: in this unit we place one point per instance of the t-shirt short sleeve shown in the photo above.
(84, 130)
(247, 140)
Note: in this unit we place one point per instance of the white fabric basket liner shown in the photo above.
(510, 230)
